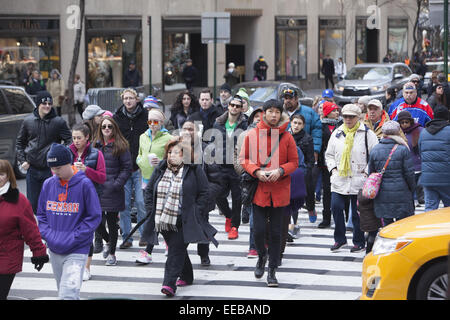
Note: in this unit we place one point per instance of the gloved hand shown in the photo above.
(39, 261)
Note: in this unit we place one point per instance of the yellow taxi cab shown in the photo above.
(409, 259)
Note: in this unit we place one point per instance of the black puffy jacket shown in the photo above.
(36, 135)
(132, 128)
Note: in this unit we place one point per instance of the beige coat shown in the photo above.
(352, 184)
(56, 88)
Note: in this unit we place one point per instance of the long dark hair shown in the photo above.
(120, 144)
(177, 107)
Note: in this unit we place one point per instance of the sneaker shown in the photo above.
(111, 260)
(357, 248)
(252, 253)
(105, 251)
(233, 234)
(86, 275)
(126, 245)
(337, 246)
(144, 257)
(98, 246)
(289, 238)
(204, 261)
(181, 283)
(312, 216)
(227, 225)
(168, 291)
(324, 224)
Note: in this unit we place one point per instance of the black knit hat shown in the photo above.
(225, 87)
(43, 96)
(272, 103)
(58, 155)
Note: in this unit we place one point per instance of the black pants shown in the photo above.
(229, 183)
(326, 195)
(79, 107)
(329, 78)
(6, 281)
(275, 217)
(178, 263)
(111, 237)
(310, 182)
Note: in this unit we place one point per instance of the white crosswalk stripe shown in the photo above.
(309, 271)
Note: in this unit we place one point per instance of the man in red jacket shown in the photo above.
(273, 191)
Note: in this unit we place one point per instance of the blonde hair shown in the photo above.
(132, 91)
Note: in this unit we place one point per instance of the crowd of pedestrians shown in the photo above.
(175, 170)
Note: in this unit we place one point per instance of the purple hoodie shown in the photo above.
(68, 215)
(412, 134)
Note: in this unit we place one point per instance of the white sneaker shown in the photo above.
(86, 275)
(144, 257)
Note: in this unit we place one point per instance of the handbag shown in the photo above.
(373, 182)
(249, 184)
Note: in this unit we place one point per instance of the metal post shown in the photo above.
(215, 57)
(446, 38)
(149, 22)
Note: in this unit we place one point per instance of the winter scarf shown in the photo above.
(168, 199)
(5, 188)
(344, 165)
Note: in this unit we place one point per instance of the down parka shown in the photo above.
(258, 144)
(349, 185)
(17, 226)
(194, 202)
(118, 170)
(395, 197)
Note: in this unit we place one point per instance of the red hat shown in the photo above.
(327, 107)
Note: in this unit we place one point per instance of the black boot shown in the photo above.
(260, 266)
(271, 279)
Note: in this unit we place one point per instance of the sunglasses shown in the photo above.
(109, 126)
(235, 105)
(288, 91)
(153, 122)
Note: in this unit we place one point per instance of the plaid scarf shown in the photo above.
(168, 199)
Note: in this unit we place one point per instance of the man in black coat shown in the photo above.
(38, 131)
(132, 77)
(260, 67)
(132, 118)
(207, 113)
(221, 174)
(328, 71)
(189, 74)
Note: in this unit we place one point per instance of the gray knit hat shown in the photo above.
(91, 111)
(391, 128)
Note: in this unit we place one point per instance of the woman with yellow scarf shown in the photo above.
(346, 158)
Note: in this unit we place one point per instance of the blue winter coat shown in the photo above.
(395, 197)
(434, 147)
(313, 125)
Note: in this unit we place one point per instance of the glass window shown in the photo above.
(290, 48)
(368, 73)
(17, 100)
(111, 46)
(35, 47)
(176, 52)
(361, 39)
(398, 39)
(331, 39)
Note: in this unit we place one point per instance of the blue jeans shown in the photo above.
(251, 236)
(35, 179)
(337, 208)
(433, 195)
(68, 271)
(134, 181)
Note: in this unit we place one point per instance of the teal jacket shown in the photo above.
(313, 125)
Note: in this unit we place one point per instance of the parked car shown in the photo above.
(261, 91)
(370, 79)
(15, 105)
(409, 259)
(431, 66)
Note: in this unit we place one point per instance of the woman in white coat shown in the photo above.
(346, 158)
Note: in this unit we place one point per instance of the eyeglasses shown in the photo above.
(109, 126)
(153, 122)
(235, 105)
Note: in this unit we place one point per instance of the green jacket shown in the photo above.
(147, 146)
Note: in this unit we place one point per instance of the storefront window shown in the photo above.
(111, 46)
(176, 52)
(361, 37)
(331, 40)
(398, 39)
(27, 45)
(290, 48)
